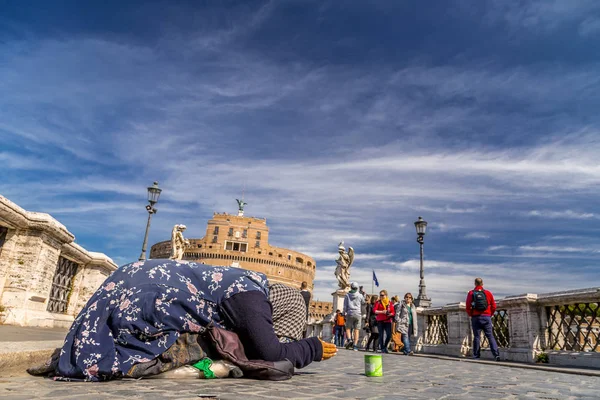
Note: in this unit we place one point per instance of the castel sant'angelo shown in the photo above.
(240, 241)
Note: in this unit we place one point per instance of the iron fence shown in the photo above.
(574, 327)
(437, 329)
(61, 285)
(500, 328)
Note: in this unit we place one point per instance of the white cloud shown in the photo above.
(477, 235)
(450, 210)
(559, 249)
(561, 214)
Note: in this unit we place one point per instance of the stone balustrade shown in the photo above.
(45, 277)
(564, 325)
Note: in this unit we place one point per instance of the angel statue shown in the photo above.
(344, 261)
(241, 204)
(178, 242)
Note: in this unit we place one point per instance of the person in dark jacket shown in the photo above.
(481, 306)
(306, 296)
(143, 307)
(372, 324)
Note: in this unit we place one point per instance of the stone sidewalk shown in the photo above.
(24, 346)
(342, 377)
(11, 333)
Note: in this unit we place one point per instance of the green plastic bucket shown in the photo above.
(373, 365)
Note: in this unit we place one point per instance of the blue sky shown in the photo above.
(342, 120)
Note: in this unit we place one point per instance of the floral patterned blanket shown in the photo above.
(141, 310)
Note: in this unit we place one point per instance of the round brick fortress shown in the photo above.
(233, 240)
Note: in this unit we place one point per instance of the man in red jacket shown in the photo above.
(480, 307)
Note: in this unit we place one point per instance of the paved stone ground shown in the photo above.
(11, 333)
(342, 377)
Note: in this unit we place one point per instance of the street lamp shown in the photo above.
(421, 300)
(153, 195)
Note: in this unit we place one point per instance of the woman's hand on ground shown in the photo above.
(329, 350)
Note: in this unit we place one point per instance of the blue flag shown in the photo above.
(375, 279)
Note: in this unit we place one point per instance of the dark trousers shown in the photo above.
(373, 337)
(385, 330)
(339, 335)
(483, 323)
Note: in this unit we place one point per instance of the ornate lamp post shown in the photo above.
(153, 195)
(421, 300)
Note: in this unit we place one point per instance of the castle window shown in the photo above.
(214, 240)
(199, 246)
(236, 246)
(289, 257)
(245, 233)
(299, 260)
(279, 255)
(257, 244)
(257, 235)
(270, 253)
(309, 264)
(230, 232)
(216, 230)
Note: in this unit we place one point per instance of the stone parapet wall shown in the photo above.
(29, 256)
(563, 325)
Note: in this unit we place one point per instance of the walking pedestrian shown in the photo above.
(306, 296)
(372, 325)
(406, 322)
(353, 312)
(480, 307)
(397, 344)
(384, 314)
(340, 323)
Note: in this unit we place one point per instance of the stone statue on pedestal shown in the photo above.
(344, 261)
(178, 242)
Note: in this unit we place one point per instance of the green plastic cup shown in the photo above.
(373, 365)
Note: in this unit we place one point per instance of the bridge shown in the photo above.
(562, 328)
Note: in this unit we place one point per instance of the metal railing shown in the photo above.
(61, 285)
(437, 329)
(574, 327)
(500, 328)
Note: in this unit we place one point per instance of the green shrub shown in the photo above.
(542, 358)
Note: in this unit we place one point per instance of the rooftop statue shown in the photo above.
(178, 242)
(344, 261)
(241, 204)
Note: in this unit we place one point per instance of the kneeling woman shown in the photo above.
(144, 307)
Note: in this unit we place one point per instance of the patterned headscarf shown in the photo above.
(289, 312)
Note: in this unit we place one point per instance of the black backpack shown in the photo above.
(480, 302)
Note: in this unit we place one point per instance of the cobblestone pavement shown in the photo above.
(342, 377)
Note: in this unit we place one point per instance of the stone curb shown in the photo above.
(16, 357)
(548, 368)
(507, 364)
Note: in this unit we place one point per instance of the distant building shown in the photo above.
(239, 241)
